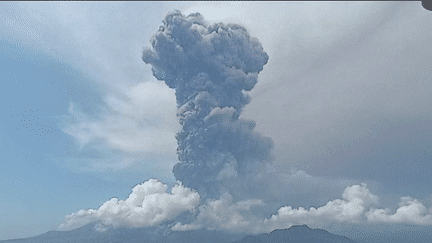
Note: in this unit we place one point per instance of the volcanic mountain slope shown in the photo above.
(88, 234)
(296, 234)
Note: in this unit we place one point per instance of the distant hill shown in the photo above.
(296, 234)
(87, 234)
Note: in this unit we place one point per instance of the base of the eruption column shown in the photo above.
(195, 177)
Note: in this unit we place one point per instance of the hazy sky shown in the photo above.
(344, 96)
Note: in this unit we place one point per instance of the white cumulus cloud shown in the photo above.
(223, 214)
(355, 201)
(410, 211)
(356, 206)
(149, 204)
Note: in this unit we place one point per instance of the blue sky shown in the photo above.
(344, 97)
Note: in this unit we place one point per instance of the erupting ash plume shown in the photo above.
(221, 158)
(210, 67)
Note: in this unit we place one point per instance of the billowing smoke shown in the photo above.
(222, 157)
(210, 66)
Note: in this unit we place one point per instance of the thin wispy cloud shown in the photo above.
(131, 124)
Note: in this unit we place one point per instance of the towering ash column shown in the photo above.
(210, 67)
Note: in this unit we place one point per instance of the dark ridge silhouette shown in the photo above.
(88, 234)
(296, 234)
